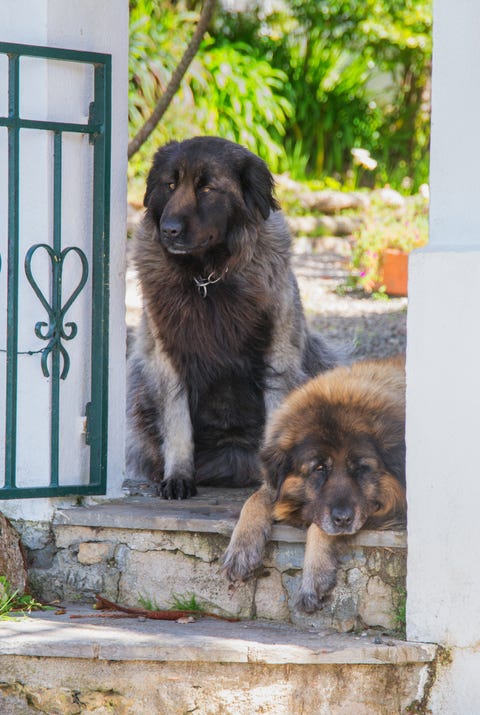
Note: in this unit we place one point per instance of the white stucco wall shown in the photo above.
(443, 374)
(61, 92)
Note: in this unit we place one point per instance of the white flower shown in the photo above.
(424, 190)
(362, 158)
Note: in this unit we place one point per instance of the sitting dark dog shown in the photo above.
(223, 336)
(334, 461)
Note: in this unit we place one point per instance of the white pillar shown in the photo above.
(443, 374)
(94, 26)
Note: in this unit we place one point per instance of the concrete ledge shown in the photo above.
(49, 635)
(213, 511)
(61, 666)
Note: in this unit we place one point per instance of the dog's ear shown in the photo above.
(276, 463)
(164, 154)
(151, 182)
(393, 456)
(153, 177)
(258, 186)
(390, 442)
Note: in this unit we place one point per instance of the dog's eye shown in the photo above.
(172, 186)
(362, 470)
(319, 475)
(319, 471)
(315, 469)
(205, 189)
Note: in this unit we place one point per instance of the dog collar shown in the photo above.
(203, 283)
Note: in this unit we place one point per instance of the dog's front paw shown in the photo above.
(177, 487)
(309, 601)
(319, 570)
(242, 558)
(315, 589)
(244, 553)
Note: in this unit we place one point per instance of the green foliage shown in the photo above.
(148, 604)
(358, 75)
(178, 603)
(401, 611)
(334, 112)
(11, 601)
(301, 83)
(404, 228)
(228, 90)
(159, 34)
(243, 101)
(186, 603)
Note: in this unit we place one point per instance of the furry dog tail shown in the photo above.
(320, 356)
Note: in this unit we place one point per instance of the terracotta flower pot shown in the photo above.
(395, 272)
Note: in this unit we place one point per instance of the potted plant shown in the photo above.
(382, 244)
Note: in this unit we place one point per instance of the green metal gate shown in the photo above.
(53, 333)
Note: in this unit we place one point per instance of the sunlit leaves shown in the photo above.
(301, 82)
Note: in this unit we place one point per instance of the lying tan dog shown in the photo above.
(334, 462)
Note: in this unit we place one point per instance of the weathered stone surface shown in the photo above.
(128, 667)
(285, 556)
(55, 701)
(13, 700)
(158, 576)
(18, 699)
(376, 605)
(327, 200)
(271, 599)
(324, 225)
(83, 633)
(68, 579)
(222, 688)
(94, 552)
(34, 535)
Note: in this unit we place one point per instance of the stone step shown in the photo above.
(145, 549)
(82, 661)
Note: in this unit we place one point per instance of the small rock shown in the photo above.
(390, 197)
(303, 245)
(92, 552)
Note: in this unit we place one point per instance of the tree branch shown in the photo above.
(175, 80)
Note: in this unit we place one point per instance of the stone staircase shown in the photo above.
(347, 658)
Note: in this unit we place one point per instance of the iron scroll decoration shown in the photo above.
(56, 330)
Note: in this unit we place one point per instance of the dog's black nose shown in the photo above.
(171, 228)
(342, 516)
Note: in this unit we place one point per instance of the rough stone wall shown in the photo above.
(73, 563)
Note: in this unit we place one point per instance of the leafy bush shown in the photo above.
(228, 89)
(242, 101)
(159, 35)
(300, 82)
(358, 75)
